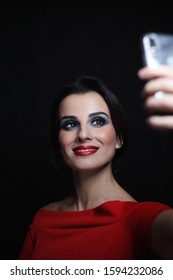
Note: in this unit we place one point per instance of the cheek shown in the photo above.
(108, 136)
(63, 139)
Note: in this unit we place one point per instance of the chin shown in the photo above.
(88, 168)
(88, 165)
(84, 168)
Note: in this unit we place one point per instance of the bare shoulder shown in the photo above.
(53, 206)
(60, 205)
(123, 195)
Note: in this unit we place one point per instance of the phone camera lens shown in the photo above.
(153, 44)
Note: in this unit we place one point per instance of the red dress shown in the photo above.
(113, 230)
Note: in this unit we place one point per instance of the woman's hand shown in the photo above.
(158, 96)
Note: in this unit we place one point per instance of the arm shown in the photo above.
(158, 106)
(160, 116)
(162, 234)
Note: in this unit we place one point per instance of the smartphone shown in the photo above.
(157, 48)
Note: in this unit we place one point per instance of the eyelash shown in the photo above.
(73, 124)
(101, 120)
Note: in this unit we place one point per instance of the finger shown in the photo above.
(159, 84)
(147, 73)
(163, 103)
(163, 123)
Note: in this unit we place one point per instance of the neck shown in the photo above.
(94, 188)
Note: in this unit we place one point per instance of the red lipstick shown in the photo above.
(85, 150)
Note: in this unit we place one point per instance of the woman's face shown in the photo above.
(87, 136)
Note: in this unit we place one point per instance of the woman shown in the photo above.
(99, 220)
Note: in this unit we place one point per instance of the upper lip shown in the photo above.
(84, 148)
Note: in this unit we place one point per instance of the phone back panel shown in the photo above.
(157, 48)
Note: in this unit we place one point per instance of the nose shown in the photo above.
(83, 134)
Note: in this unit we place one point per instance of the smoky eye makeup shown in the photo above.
(96, 119)
(99, 121)
(68, 123)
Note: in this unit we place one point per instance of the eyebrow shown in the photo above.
(73, 117)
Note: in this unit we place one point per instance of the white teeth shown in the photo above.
(86, 150)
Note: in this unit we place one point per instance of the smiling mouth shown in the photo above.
(85, 151)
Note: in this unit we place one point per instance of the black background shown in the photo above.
(43, 47)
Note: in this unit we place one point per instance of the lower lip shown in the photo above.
(85, 153)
